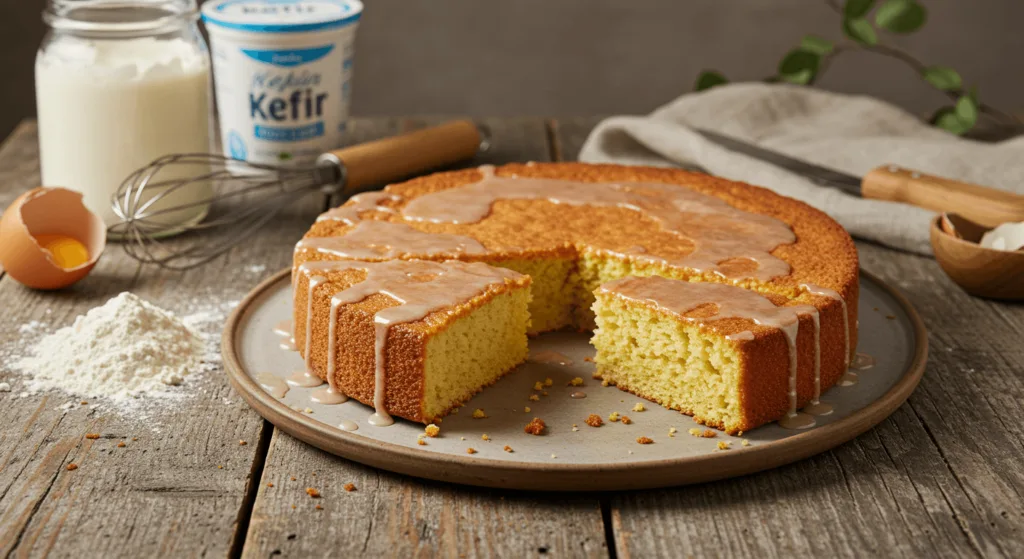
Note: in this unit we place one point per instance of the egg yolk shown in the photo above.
(66, 251)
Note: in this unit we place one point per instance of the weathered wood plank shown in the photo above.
(177, 490)
(399, 516)
(940, 477)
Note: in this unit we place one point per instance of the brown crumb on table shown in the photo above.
(421, 442)
(220, 467)
(606, 383)
(594, 420)
(538, 386)
(534, 398)
(578, 381)
(92, 436)
(135, 439)
(270, 485)
(470, 450)
(485, 437)
(293, 506)
(704, 434)
(613, 417)
(545, 393)
(479, 414)
(507, 448)
(350, 487)
(293, 478)
(312, 493)
(588, 359)
(626, 420)
(548, 382)
(645, 440)
(890, 316)
(242, 443)
(83, 403)
(318, 507)
(639, 407)
(575, 427)
(526, 409)
(432, 430)
(723, 445)
(72, 467)
(535, 427)
(120, 444)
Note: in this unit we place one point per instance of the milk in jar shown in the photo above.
(119, 84)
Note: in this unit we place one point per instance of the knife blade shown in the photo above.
(817, 174)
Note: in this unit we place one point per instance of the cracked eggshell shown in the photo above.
(1008, 236)
(43, 211)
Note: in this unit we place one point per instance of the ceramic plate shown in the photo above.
(587, 458)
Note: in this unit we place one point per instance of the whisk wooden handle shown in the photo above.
(382, 161)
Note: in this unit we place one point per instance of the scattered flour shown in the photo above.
(119, 351)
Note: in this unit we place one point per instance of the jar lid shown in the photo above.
(281, 16)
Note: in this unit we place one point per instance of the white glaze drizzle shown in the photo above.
(303, 379)
(680, 297)
(824, 291)
(550, 357)
(365, 202)
(272, 384)
(719, 231)
(421, 288)
(384, 240)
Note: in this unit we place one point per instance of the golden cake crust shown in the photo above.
(823, 255)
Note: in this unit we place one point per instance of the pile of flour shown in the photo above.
(119, 351)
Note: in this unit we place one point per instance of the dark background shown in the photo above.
(586, 57)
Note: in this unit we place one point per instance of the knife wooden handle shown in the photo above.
(382, 161)
(986, 206)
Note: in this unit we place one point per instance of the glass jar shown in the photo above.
(120, 83)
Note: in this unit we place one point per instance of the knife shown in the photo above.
(987, 206)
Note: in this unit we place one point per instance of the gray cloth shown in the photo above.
(848, 133)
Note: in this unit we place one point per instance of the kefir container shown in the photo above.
(283, 71)
(120, 83)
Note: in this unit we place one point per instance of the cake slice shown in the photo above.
(411, 338)
(732, 358)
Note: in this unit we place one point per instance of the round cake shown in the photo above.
(574, 227)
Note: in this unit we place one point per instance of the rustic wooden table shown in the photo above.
(943, 476)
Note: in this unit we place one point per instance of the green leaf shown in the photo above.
(708, 79)
(901, 16)
(946, 119)
(799, 66)
(817, 45)
(857, 8)
(860, 30)
(942, 77)
(967, 110)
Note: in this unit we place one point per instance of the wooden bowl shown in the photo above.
(985, 272)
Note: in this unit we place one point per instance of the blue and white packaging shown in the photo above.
(282, 72)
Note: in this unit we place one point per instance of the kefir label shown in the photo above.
(282, 72)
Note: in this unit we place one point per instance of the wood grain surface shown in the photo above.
(942, 477)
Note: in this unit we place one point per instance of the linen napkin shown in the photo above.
(844, 132)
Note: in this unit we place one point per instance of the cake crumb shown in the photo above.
(462, 438)
(588, 359)
(553, 455)
(626, 420)
(83, 403)
(672, 431)
(312, 493)
(350, 487)
(704, 434)
(308, 410)
(421, 442)
(120, 444)
(645, 440)
(134, 439)
(526, 409)
(485, 437)
(220, 466)
(745, 442)
(72, 467)
(92, 436)
(723, 445)
(479, 414)
(890, 316)
(545, 393)
(578, 381)
(455, 411)
(575, 427)
(538, 386)
(293, 478)
(432, 430)
(534, 398)
(613, 417)
(639, 407)
(507, 448)
(594, 420)
(270, 485)
(470, 450)
(606, 383)
(293, 507)
(242, 443)
(318, 507)
(535, 427)
(548, 382)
